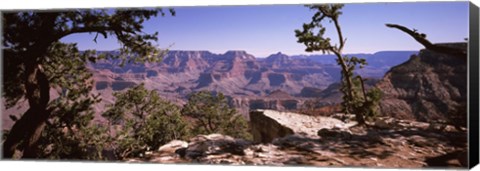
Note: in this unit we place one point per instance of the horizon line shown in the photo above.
(262, 56)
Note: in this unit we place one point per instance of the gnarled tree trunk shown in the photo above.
(25, 133)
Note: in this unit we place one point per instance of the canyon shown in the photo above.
(422, 123)
(279, 81)
(422, 85)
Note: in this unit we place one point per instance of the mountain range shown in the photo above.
(277, 82)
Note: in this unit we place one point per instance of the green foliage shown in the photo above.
(317, 41)
(35, 61)
(138, 101)
(371, 104)
(143, 121)
(160, 128)
(352, 98)
(212, 114)
(69, 131)
(355, 98)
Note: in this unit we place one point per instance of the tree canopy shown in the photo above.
(145, 121)
(31, 43)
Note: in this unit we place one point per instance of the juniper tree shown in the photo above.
(355, 98)
(28, 39)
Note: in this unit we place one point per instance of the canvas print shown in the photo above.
(378, 85)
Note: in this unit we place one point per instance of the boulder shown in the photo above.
(214, 144)
(266, 128)
(268, 125)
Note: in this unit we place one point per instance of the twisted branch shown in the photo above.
(421, 38)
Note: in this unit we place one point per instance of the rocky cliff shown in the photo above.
(430, 86)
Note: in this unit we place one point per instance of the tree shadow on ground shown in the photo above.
(448, 160)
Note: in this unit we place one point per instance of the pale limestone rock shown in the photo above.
(269, 124)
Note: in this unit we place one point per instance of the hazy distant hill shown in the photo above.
(378, 63)
(378, 59)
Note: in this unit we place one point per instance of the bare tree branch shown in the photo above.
(421, 38)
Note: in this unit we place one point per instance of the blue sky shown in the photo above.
(267, 29)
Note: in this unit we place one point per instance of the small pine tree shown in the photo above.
(213, 114)
(355, 99)
(143, 121)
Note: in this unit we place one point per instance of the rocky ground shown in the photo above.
(388, 143)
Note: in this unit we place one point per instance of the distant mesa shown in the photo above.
(279, 56)
(238, 54)
(278, 60)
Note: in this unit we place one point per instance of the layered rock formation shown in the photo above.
(430, 86)
(233, 73)
(248, 81)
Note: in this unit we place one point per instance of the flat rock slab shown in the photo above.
(268, 125)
